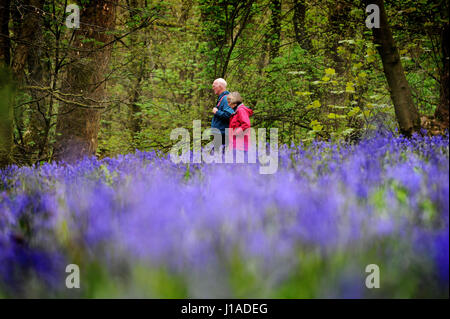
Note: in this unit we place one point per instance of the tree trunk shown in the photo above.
(38, 75)
(275, 29)
(6, 117)
(26, 19)
(5, 44)
(298, 20)
(185, 11)
(340, 28)
(442, 110)
(137, 65)
(26, 34)
(79, 119)
(405, 110)
(6, 109)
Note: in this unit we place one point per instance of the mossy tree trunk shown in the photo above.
(6, 106)
(79, 116)
(405, 110)
(442, 110)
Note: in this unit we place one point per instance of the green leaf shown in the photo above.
(330, 71)
(314, 105)
(354, 111)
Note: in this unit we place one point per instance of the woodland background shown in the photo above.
(135, 70)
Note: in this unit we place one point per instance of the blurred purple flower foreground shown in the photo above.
(140, 226)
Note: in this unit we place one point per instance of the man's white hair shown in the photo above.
(221, 81)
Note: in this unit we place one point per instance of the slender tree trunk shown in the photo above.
(442, 110)
(298, 20)
(234, 35)
(134, 108)
(26, 18)
(6, 105)
(405, 110)
(275, 29)
(6, 116)
(339, 28)
(271, 43)
(79, 119)
(37, 76)
(5, 44)
(185, 11)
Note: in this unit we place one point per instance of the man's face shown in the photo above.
(217, 88)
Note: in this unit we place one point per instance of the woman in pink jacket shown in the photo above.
(239, 133)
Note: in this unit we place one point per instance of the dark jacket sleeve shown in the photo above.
(225, 111)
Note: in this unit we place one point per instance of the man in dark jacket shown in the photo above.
(222, 111)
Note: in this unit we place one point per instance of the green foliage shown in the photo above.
(168, 53)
